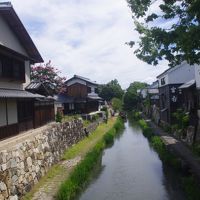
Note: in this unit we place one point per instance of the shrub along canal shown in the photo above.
(132, 170)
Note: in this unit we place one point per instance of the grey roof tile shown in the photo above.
(9, 93)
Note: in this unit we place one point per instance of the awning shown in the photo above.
(9, 93)
(188, 84)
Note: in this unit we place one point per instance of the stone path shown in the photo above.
(180, 149)
(49, 190)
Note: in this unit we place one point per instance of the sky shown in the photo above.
(87, 38)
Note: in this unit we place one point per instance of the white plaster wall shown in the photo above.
(27, 74)
(11, 85)
(182, 74)
(2, 112)
(12, 111)
(56, 106)
(8, 38)
(197, 76)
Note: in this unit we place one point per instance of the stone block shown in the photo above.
(13, 197)
(3, 186)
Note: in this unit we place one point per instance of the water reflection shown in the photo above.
(130, 170)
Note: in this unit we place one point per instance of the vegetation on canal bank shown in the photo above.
(82, 172)
(188, 182)
(78, 150)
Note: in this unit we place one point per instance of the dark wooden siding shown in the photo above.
(43, 114)
(8, 131)
(167, 104)
(77, 90)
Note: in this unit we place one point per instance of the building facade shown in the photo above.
(82, 95)
(171, 93)
(17, 53)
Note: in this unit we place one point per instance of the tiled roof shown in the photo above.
(82, 78)
(9, 93)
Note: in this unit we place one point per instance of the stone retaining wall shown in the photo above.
(28, 161)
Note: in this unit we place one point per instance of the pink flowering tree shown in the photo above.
(48, 75)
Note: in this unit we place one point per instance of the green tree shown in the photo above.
(170, 33)
(117, 104)
(131, 97)
(111, 90)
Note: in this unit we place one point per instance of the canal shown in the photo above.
(132, 170)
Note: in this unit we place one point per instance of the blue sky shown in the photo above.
(86, 37)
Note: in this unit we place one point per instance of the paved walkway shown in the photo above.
(180, 149)
(49, 189)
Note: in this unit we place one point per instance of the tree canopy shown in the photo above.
(170, 33)
(116, 104)
(111, 90)
(131, 98)
(47, 74)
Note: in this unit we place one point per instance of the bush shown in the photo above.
(147, 131)
(105, 109)
(182, 119)
(191, 188)
(59, 117)
(108, 139)
(95, 117)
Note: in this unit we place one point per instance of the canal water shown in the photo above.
(132, 170)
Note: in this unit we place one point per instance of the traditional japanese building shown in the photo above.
(20, 110)
(171, 85)
(81, 96)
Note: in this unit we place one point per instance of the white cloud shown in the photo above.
(86, 38)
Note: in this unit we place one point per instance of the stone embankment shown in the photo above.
(180, 149)
(27, 161)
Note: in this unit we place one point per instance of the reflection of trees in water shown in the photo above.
(173, 182)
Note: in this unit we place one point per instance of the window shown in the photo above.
(12, 69)
(163, 81)
(71, 106)
(88, 89)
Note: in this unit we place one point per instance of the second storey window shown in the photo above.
(12, 69)
(163, 81)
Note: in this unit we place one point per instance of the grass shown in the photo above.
(53, 171)
(79, 149)
(82, 172)
(68, 118)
